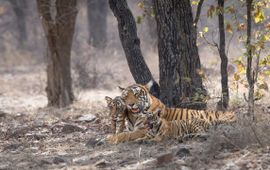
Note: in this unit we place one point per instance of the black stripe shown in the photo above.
(159, 125)
(216, 114)
(181, 114)
(130, 121)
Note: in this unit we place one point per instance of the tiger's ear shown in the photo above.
(121, 88)
(148, 85)
(108, 99)
(158, 112)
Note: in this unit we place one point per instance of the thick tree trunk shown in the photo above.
(19, 7)
(250, 73)
(59, 31)
(223, 103)
(179, 62)
(97, 22)
(131, 44)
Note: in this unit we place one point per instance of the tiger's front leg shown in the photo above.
(142, 139)
(127, 136)
(156, 139)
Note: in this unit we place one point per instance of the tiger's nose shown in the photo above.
(131, 105)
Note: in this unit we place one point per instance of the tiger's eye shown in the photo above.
(118, 103)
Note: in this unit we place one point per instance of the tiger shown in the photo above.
(138, 100)
(160, 129)
(119, 114)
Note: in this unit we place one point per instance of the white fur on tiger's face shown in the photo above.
(137, 98)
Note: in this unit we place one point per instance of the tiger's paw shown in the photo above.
(156, 140)
(112, 139)
(146, 141)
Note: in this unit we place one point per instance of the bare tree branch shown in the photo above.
(198, 13)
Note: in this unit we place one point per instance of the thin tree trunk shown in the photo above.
(179, 62)
(223, 103)
(250, 73)
(131, 45)
(19, 7)
(151, 25)
(97, 22)
(198, 13)
(59, 31)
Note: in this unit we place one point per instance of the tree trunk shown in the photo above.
(179, 62)
(151, 25)
(97, 22)
(19, 7)
(250, 73)
(59, 31)
(198, 13)
(131, 45)
(223, 103)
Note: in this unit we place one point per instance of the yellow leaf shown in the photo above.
(195, 2)
(211, 11)
(236, 77)
(202, 74)
(258, 95)
(241, 27)
(259, 16)
(267, 73)
(205, 29)
(141, 5)
(139, 19)
(263, 86)
(229, 28)
(231, 9)
(267, 26)
(266, 37)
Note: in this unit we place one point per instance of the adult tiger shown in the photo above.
(138, 99)
(119, 113)
(160, 129)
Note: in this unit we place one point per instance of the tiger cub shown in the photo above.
(119, 114)
(138, 99)
(160, 129)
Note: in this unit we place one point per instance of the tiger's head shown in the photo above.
(152, 123)
(137, 98)
(117, 109)
(116, 105)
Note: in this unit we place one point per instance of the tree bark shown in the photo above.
(198, 13)
(223, 103)
(97, 22)
(59, 31)
(131, 45)
(151, 25)
(19, 7)
(179, 62)
(250, 73)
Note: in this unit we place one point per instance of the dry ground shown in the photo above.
(35, 137)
